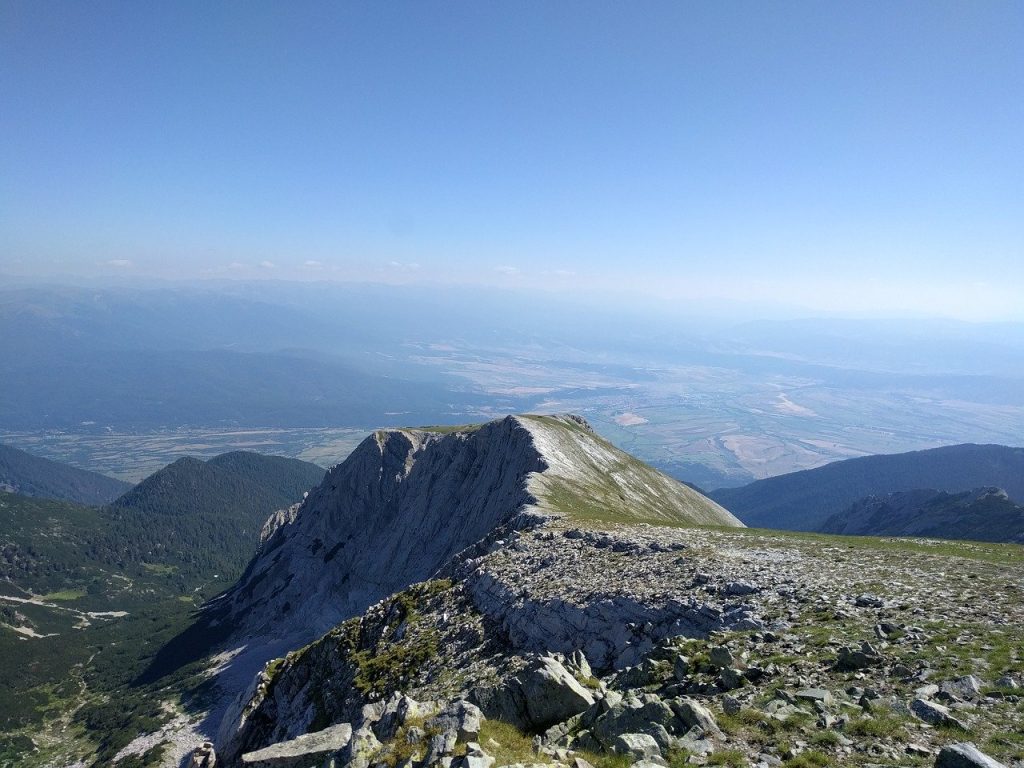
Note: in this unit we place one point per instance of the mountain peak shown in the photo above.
(408, 501)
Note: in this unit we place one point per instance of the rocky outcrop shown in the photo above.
(542, 695)
(407, 673)
(411, 504)
(392, 514)
(406, 501)
(301, 751)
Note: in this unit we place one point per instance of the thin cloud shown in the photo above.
(312, 264)
(119, 263)
(411, 266)
(267, 264)
(507, 270)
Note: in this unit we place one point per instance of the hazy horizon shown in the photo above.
(860, 160)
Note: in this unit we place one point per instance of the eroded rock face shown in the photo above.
(411, 504)
(392, 514)
(406, 501)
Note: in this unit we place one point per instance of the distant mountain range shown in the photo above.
(67, 570)
(804, 501)
(192, 519)
(982, 514)
(29, 475)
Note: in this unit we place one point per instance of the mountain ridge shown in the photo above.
(526, 467)
(802, 501)
(981, 514)
(30, 475)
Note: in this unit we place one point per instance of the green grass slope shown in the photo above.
(804, 500)
(29, 475)
(589, 479)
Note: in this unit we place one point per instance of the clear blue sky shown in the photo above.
(857, 157)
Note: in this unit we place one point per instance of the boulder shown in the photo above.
(634, 714)
(730, 679)
(739, 588)
(1010, 682)
(815, 695)
(203, 757)
(934, 714)
(475, 757)
(389, 716)
(720, 657)
(538, 697)
(693, 713)
(965, 755)
(850, 660)
(304, 750)
(681, 668)
(639, 746)
(967, 687)
(869, 601)
(459, 721)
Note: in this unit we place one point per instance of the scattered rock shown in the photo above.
(869, 601)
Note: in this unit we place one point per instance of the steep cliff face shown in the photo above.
(394, 512)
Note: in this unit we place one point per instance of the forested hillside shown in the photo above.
(802, 501)
(30, 475)
(88, 594)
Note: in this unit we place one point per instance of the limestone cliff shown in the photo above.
(406, 501)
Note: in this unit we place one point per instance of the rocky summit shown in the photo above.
(522, 593)
(406, 501)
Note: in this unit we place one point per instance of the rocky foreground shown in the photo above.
(613, 645)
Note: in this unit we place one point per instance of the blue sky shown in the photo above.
(861, 158)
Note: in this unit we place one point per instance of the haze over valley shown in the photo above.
(148, 374)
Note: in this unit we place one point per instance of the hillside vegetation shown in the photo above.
(803, 501)
(984, 514)
(89, 594)
(29, 475)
